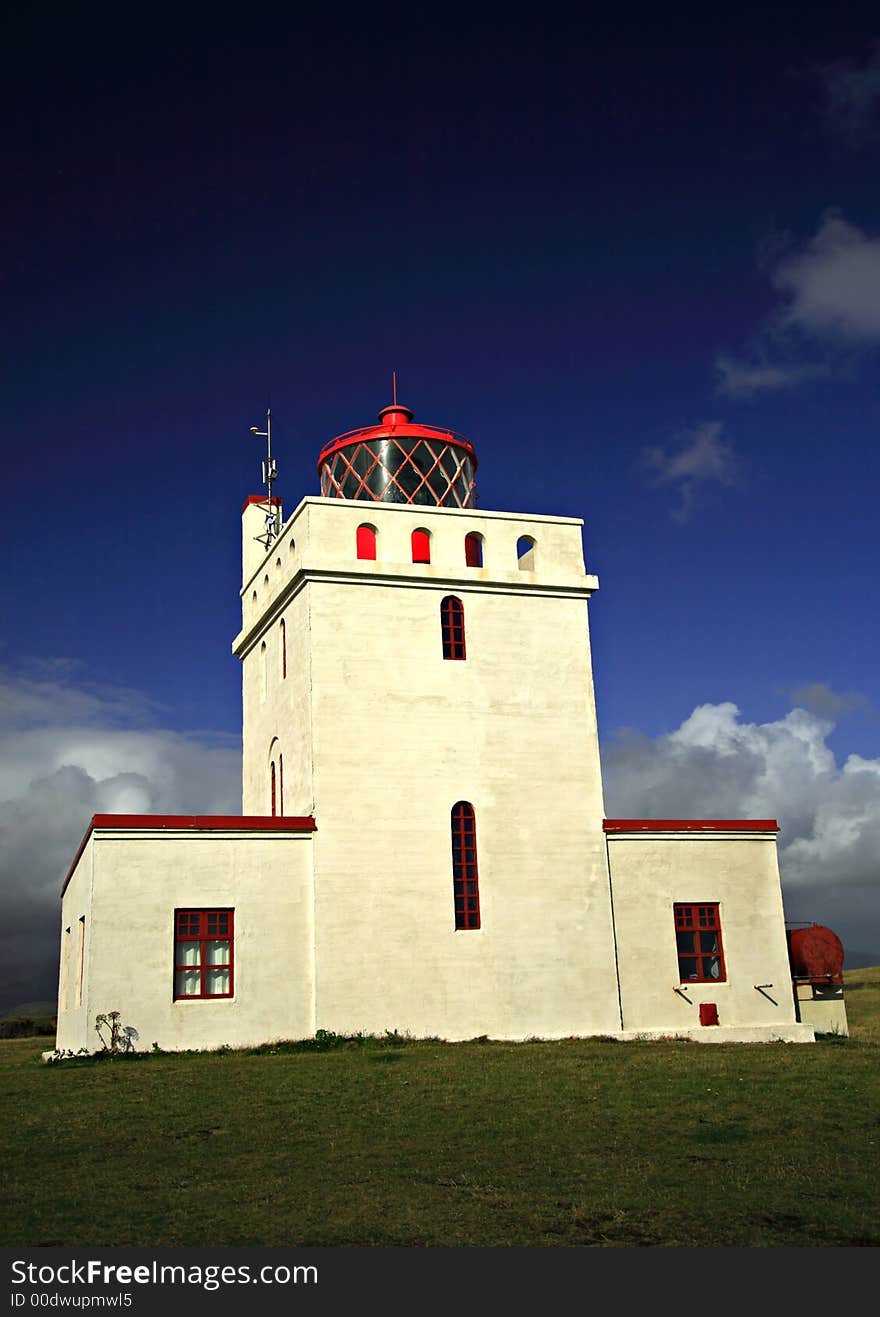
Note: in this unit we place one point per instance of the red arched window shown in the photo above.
(473, 549)
(272, 781)
(283, 648)
(452, 627)
(281, 784)
(465, 881)
(421, 546)
(366, 542)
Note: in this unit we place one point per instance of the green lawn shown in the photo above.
(382, 1143)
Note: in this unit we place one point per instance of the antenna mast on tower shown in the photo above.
(270, 474)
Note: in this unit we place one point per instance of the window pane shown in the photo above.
(712, 967)
(708, 941)
(188, 953)
(216, 982)
(216, 953)
(687, 968)
(187, 983)
(685, 942)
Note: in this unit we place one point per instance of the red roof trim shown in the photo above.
(260, 498)
(226, 822)
(193, 823)
(690, 825)
(413, 431)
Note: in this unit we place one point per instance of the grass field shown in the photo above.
(388, 1142)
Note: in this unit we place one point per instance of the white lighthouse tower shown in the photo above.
(417, 678)
(422, 845)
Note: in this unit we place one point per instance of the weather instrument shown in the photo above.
(270, 474)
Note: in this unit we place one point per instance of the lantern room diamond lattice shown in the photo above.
(423, 471)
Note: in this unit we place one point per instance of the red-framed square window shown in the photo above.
(203, 953)
(698, 942)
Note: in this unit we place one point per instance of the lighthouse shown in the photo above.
(422, 846)
(417, 678)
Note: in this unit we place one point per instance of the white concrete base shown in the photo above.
(716, 1033)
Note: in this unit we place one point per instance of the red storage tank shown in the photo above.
(815, 954)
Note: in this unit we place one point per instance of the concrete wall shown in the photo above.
(739, 871)
(139, 877)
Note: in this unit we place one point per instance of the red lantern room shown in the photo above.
(398, 461)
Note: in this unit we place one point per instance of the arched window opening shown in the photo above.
(281, 784)
(421, 546)
(272, 785)
(264, 671)
(465, 880)
(366, 542)
(254, 597)
(266, 581)
(278, 564)
(525, 553)
(283, 648)
(292, 545)
(452, 627)
(473, 549)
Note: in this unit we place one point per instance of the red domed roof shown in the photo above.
(399, 461)
(396, 422)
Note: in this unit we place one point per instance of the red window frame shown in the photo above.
(698, 942)
(272, 783)
(465, 878)
(203, 926)
(366, 542)
(281, 784)
(452, 627)
(473, 549)
(421, 546)
(283, 648)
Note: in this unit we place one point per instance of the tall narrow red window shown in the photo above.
(421, 546)
(698, 942)
(272, 784)
(283, 648)
(465, 882)
(473, 550)
(281, 784)
(452, 627)
(366, 542)
(203, 942)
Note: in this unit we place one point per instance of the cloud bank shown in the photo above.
(66, 753)
(65, 756)
(717, 766)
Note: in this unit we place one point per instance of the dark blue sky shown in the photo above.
(630, 256)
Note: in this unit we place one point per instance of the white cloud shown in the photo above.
(829, 311)
(703, 458)
(717, 766)
(743, 379)
(64, 757)
(833, 283)
(853, 98)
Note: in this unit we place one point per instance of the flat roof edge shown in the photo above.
(192, 823)
(690, 825)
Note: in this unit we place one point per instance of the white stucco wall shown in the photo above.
(138, 878)
(399, 735)
(73, 978)
(650, 872)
